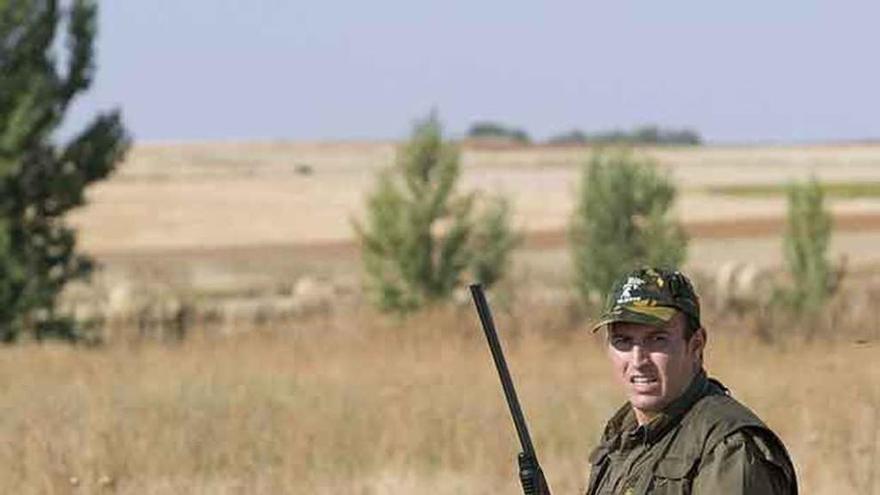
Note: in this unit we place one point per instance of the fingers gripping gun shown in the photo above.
(530, 474)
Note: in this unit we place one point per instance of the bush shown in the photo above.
(420, 237)
(807, 236)
(622, 220)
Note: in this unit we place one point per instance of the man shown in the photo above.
(680, 432)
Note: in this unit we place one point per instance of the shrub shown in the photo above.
(621, 220)
(420, 237)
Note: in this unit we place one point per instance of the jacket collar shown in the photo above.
(623, 429)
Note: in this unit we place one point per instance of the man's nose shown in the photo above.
(639, 355)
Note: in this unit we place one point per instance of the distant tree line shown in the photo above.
(495, 130)
(646, 134)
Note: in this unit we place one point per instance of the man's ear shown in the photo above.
(698, 343)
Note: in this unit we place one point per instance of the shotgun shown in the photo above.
(530, 474)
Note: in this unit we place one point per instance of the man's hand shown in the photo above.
(531, 476)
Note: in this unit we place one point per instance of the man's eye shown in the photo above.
(659, 339)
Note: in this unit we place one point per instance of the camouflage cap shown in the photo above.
(650, 296)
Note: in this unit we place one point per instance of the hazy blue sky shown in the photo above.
(749, 70)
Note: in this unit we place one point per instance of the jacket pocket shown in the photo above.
(672, 475)
(598, 466)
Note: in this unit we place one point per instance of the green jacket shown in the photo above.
(705, 442)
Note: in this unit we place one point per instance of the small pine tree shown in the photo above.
(41, 180)
(420, 236)
(807, 236)
(493, 242)
(622, 219)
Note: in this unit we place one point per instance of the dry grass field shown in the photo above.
(352, 403)
(347, 401)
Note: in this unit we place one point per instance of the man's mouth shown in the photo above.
(643, 380)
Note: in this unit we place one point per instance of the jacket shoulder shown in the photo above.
(715, 417)
(721, 418)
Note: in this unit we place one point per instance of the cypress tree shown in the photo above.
(41, 179)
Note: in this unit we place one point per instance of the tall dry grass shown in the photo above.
(355, 403)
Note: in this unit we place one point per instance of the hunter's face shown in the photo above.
(654, 365)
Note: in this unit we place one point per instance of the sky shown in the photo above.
(737, 72)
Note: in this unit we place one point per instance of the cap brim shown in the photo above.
(657, 316)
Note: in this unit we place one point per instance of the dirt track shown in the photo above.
(543, 239)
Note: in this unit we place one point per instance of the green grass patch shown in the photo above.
(840, 190)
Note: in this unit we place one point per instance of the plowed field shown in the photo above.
(249, 204)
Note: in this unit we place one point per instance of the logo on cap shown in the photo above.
(626, 296)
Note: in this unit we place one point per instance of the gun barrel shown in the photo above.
(516, 413)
